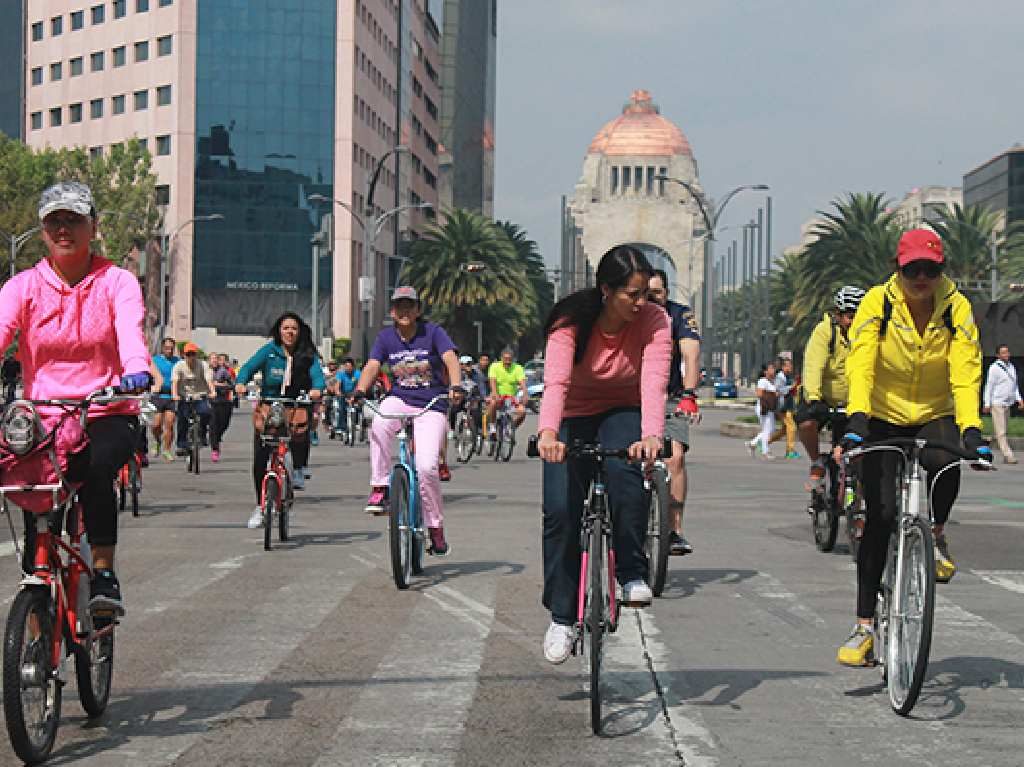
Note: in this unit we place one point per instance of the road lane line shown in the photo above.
(1012, 580)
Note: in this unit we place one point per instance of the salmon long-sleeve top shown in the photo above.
(624, 369)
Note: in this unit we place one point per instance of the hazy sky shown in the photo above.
(814, 97)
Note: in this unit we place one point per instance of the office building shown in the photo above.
(12, 84)
(998, 185)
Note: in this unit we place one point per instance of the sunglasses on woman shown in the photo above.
(915, 269)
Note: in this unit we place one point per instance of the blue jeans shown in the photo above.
(565, 488)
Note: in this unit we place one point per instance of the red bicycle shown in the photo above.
(276, 493)
(50, 620)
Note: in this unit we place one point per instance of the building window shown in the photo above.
(77, 20)
(430, 142)
(141, 100)
(96, 61)
(627, 178)
(119, 56)
(55, 117)
(662, 171)
(37, 120)
(163, 145)
(164, 46)
(98, 14)
(165, 3)
(650, 180)
(163, 95)
(120, 8)
(55, 71)
(75, 113)
(95, 152)
(142, 51)
(37, 31)
(431, 107)
(77, 66)
(163, 194)
(96, 108)
(144, 143)
(56, 25)
(37, 76)
(141, 6)
(638, 178)
(615, 179)
(117, 105)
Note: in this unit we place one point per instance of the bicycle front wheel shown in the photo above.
(659, 530)
(595, 617)
(400, 532)
(271, 506)
(508, 441)
(911, 614)
(32, 693)
(465, 439)
(855, 517)
(94, 668)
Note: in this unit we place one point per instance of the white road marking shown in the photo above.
(1012, 580)
(185, 581)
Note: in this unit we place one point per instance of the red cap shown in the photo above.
(191, 348)
(919, 245)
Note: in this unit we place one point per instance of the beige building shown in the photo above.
(246, 115)
(922, 205)
(619, 198)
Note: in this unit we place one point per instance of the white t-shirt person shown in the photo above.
(192, 380)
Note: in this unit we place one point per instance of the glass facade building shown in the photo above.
(12, 43)
(999, 185)
(265, 119)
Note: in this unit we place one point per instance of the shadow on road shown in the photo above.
(301, 540)
(722, 686)
(439, 573)
(686, 583)
(942, 698)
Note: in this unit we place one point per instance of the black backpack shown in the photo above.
(947, 319)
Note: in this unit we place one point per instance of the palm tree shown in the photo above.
(439, 268)
(966, 233)
(529, 256)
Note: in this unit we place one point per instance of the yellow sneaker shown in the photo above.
(859, 649)
(945, 567)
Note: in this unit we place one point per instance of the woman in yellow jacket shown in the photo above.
(914, 369)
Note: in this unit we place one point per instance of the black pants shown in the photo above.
(881, 476)
(565, 488)
(261, 454)
(222, 411)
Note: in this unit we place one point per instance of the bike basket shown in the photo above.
(59, 449)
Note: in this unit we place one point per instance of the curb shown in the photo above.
(739, 429)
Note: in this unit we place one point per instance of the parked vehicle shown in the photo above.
(725, 388)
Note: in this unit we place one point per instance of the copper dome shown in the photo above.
(640, 130)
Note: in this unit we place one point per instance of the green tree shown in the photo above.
(455, 296)
(532, 338)
(966, 234)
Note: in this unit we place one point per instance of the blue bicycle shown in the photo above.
(406, 532)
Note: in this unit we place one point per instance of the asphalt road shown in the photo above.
(308, 655)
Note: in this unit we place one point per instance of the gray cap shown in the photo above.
(66, 195)
(407, 292)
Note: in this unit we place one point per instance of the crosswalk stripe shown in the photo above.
(413, 710)
(1012, 580)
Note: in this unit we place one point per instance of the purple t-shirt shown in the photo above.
(417, 370)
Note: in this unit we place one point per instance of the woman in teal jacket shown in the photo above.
(289, 366)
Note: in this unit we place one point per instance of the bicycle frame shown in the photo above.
(601, 517)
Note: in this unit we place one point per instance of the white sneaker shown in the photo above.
(637, 594)
(451, 435)
(298, 479)
(256, 520)
(558, 643)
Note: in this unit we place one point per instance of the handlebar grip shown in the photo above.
(531, 448)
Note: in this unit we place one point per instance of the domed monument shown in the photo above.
(619, 199)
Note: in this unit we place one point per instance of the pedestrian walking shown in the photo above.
(1001, 393)
(767, 402)
(787, 387)
(223, 402)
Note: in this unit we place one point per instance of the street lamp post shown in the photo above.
(15, 241)
(164, 257)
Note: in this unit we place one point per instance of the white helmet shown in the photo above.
(465, 359)
(848, 298)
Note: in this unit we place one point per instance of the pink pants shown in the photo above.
(429, 431)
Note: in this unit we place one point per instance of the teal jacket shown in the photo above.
(271, 361)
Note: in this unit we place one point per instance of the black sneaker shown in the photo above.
(105, 593)
(678, 545)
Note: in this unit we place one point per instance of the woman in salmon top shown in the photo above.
(605, 377)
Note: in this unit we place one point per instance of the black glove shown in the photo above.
(818, 410)
(977, 444)
(856, 431)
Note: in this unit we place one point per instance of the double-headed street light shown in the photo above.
(165, 244)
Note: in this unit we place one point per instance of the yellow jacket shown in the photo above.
(907, 379)
(824, 375)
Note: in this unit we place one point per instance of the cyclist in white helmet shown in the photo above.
(824, 375)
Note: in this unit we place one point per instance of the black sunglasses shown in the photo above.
(915, 269)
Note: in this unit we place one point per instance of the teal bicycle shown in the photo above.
(407, 533)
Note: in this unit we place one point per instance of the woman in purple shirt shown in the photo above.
(422, 359)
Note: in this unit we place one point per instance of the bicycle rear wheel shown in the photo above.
(659, 530)
(271, 505)
(595, 617)
(910, 627)
(94, 668)
(135, 484)
(400, 533)
(499, 433)
(31, 691)
(825, 516)
(508, 440)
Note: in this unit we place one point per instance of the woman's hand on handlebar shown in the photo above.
(550, 449)
(357, 396)
(646, 450)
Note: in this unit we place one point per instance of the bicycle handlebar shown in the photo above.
(579, 449)
(400, 416)
(302, 399)
(917, 444)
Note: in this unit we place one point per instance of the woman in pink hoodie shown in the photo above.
(605, 378)
(79, 324)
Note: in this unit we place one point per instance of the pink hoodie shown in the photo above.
(75, 340)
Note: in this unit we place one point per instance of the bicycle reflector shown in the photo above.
(20, 428)
(275, 420)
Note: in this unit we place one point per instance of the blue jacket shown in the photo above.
(271, 361)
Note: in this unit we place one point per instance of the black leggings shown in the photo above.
(222, 411)
(881, 473)
(261, 454)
